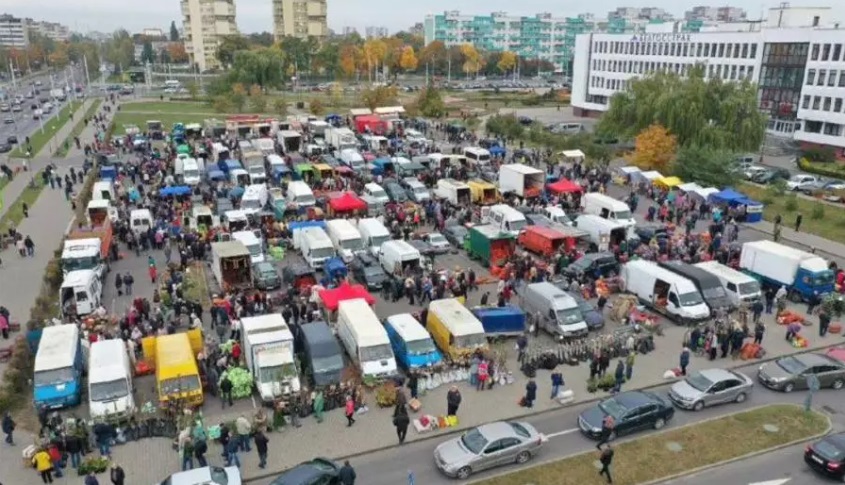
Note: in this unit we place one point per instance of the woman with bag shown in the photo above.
(482, 374)
(350, 411)
(44, 465)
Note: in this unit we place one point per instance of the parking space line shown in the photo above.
(562, 433)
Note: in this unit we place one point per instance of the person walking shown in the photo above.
(118, 284)
(261, 447)
(757, 310)
(483, 373)
(557, 383)
(759, 331)
(187, 452)
(200, 449)
(232, 453)
(401, 421)
(798, 219)
(521, 345)
(44, 465)
(117, 475)
(244, 428)
(619, 377)
(453, 401)
(350, 411)
(607, 427)
(128, 281)
(225, 390)
(346, 474)
(629, 365)
(91, 479)
(824, 322)
(606, 458)
(9, 428)
(73, 447)
(530, 393)
(684, 360)
(319, 406)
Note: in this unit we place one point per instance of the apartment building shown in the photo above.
(300, 18)
(376, 31)
(799, 70)
(52, 30)
(716, 14)
(205, 22)
(13, 32)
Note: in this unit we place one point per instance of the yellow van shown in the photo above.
(454, 328)
(177, 375)
(483, 192)
(323, 171)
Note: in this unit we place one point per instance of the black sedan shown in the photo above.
(631, 411)
(828, 456)
(5, 147)
(367, 271)
(316, 471)
(423, 247)
(456, 235)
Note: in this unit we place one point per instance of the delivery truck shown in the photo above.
(289, 141)
(483, 192)
(231, 265)
(604, 233)
(507, 321)
(88, 247)
(775, 265)
(710, 287)
(269, 351)
(490, 245)
(456, 192)
(522, 180)
(341, 138)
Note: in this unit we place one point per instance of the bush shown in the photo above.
(820, 154)
(832, 170)
(532, 101)
(818, 212)
(791, 204)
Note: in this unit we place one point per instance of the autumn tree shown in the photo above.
(506, 62)
(349, 60)
(60, 57)
(238, 96)
(472, 59)
(434, 54)
(654, 149)
(379, 96)
(316, 107)
(280, 106)
(408, 61)
(430, 103)
(374, 52)
(176, 51)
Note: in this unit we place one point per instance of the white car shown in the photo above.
(796, 182)
(438, 242)
(210, 475)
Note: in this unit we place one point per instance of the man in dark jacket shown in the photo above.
(530, 393)
(117, 474)
(261, 446)
(347, 474)
(8, 428)
(453, 401)
(401, 421)
(226, 391)
(606, 458)
(73, 447)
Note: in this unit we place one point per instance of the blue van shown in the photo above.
(411, 342)
(59, 364)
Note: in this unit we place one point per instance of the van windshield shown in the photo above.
(351, 244)
(250, 204)
(470, 341)
(276, 373)
(322, 253)
(327, 364)
(622, 215)
(106, 391)
(74, 264)
(516, 225)
(306, 199)
(254, 249)
(749, 288)
(191, 174)
(379, 194)
(420, 347)
(376, 352)
(569, 316)
(691, 299)
(53, 376)
(179, 384)
(377, 241)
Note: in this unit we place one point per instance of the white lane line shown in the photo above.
(253, 402)
(562, 433)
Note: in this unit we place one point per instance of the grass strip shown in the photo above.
(14, 215)
(80, 125)
(708, 443)
(51, 126)
(823, 220)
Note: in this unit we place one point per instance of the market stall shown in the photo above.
(703, 194)
(346, 203)
(564, 186)
(689, 187)
(668, 183)
(573, 156)
(624, 175)
(727, 197)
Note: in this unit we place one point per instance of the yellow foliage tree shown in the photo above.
(375, 51)
(408, 61)
(349, 59)
(654, 149)
(472, 58)
(507, 62)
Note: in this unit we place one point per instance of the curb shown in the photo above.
(460, 429)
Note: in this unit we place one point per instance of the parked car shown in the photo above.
(367, 271)
(12, 139)
(8, 120)
(597, 264)
(827, 456)
(799, 180)
(265, 276)
(632, 411)
(592, 316)
(317, 471)
(230, 475)
(710, 387)
(456, 235)
(423, 247)
(790, 373)
(395, 192)
(488, 446)
(5, 147)
(771, 175)
(439, 244)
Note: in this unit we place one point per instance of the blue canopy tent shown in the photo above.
(216, 175)
(333, 269)
(175, 191)
(727, 196)
(108, 172)
(497, 151)
(280, 172)
(753, 209)
(236, 193)
(732, 198)
(334, 119)
(296, 228)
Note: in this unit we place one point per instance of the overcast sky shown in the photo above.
(255, 16)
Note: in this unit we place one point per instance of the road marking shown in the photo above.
(779, 481)
(255, 407)
(573, 430)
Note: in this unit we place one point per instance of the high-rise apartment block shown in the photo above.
(300, 18)
(376, 32)
(51, 30)
(205, 23)
(716, 14)
(13, 32)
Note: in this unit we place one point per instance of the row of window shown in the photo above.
(822, 103)
(825, 78)
(823, 128)
(827, 52)
(726, 50)
(724, 71)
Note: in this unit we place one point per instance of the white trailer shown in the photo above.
(521, 180)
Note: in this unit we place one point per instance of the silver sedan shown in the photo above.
(487, 446)
(710, 387)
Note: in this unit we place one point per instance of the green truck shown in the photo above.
(490, 245)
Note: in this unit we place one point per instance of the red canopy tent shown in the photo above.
(332, 298)
(564, 186)
(348, 202)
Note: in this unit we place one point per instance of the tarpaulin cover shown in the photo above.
(726, 196)
(564, 186)
(178, 190)
(216, 175)
(347, 203)
(183, 149)
(497, 150)
(332, 298)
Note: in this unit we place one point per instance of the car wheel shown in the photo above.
(523, 457)
(464, 473)
(740, 398)
(837, 384)
(698, 406)
(659, 423)
(789, 387)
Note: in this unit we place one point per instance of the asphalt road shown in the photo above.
(391, 467)
(24, 124)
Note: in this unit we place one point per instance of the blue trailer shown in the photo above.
(501, 321)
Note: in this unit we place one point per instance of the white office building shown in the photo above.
(799, 69)
(13, 33)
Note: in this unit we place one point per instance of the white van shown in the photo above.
(253, 243)
(504, 218)
(103, 190)
(239, 176)
(316, 246)
(352, 159)
(140, 220)
(373, 234)
(553, 310)
(375, 191)
(604, 233)
(477, 155)
(300, 194)
(664, 291)
(741, 288)
(346, 238)
(417, 191)
(275, 163)
(607, 207)
(254, 199)
(365, 339)
(191, 172)
(81, 293)
(396, 255)
(556, 214)
(110, 380)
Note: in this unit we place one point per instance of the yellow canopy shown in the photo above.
(668, 182)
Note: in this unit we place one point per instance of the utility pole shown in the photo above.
(449, 58)
(12, 72)
(87, 76)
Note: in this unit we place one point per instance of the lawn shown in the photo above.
(167, 107)
(649, 458)
(64, 148)
(14, 215)
(824, 220)
(39, 139)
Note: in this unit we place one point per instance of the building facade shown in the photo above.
(799, 71)
(13, 32)
(716, 14)
(300, 18)
(376, 32)
(205, 23)
(51, 30)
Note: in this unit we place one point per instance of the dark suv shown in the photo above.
(596, 264)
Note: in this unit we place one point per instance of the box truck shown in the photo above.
(664, 291)
(775, 265)
(269, 351)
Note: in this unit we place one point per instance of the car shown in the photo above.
(8, 121)
(796, 182)
(4, 108)
(790, 373)
(12, 139)
(395, 192)
(631, 411)
(592, 316)
(439, 244)
(599, 264)
(423, 247)
(5, 147)
(37, 114)
(456, 235)
(265, 276)
(16, 108)
(30, 95)
(488, 446)
(223, 205)
(834, 185)
(215, 475)
(771, 175)
(366, 270)
(750, 171)
(827, 456)
(710, 387)
(539, 220)
(318, 471)
(811, 188)
(525, 120)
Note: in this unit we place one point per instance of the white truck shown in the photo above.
(603, 233)
(58, 94)
(82, 254)
(268, 348)
(456, 192)
(341, 138)
(521, 180)
(289, 141)
(231, 265)
(803, 274)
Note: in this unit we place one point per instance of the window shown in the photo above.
(698, 48)
(721, 50)
(827, 102)
(815, 55)
(822, 75)
(736, 51)
(750, 72)
(745, 51)
(826, 52)
(837, 105)
(805, 103)
(817, 101)
(706, 50)
(837, 50)
(733, 73)
(753, 51)
(811, 76)
(831, 79)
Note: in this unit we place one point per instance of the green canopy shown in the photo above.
(183, 150)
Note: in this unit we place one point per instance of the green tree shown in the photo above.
(193, 89)
(379, 96)
(147, 52)
(263, 39)
(506, 126)
(119, 50)
(709, 167)
(298, 53)
(222, 104)
(430, 103)
(174, 32)
(262, 67)
(280, 106)
(229, 45)
(258, 104)
(316, 107)
(699, 112)
(164, 56)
